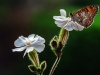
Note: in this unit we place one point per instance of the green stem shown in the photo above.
(63, 36)
(55, 65)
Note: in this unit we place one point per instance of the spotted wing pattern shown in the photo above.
(85, 16)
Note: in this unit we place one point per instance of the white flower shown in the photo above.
(33, 42)
(67, 23)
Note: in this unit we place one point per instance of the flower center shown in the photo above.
(28, 43)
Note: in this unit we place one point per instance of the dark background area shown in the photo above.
(81, 55)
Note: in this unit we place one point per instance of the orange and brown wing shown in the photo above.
(85, 16)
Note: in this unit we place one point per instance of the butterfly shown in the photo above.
(85, 16)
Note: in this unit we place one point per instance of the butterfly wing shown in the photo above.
(85, 16)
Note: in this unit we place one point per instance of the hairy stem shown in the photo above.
(55, 65)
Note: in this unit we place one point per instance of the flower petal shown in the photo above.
(73, 26)
(28, 49)
(19, 49)
(60, 18)
(39, 48)
(60, 24)
(20, 41)
(39, 40)
(31, 37)
(78, 27)
(63, 12)
(69, 26)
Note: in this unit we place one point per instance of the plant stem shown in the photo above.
(60, 41)
(55, 65)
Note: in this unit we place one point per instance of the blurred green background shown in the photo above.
(81, 55)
